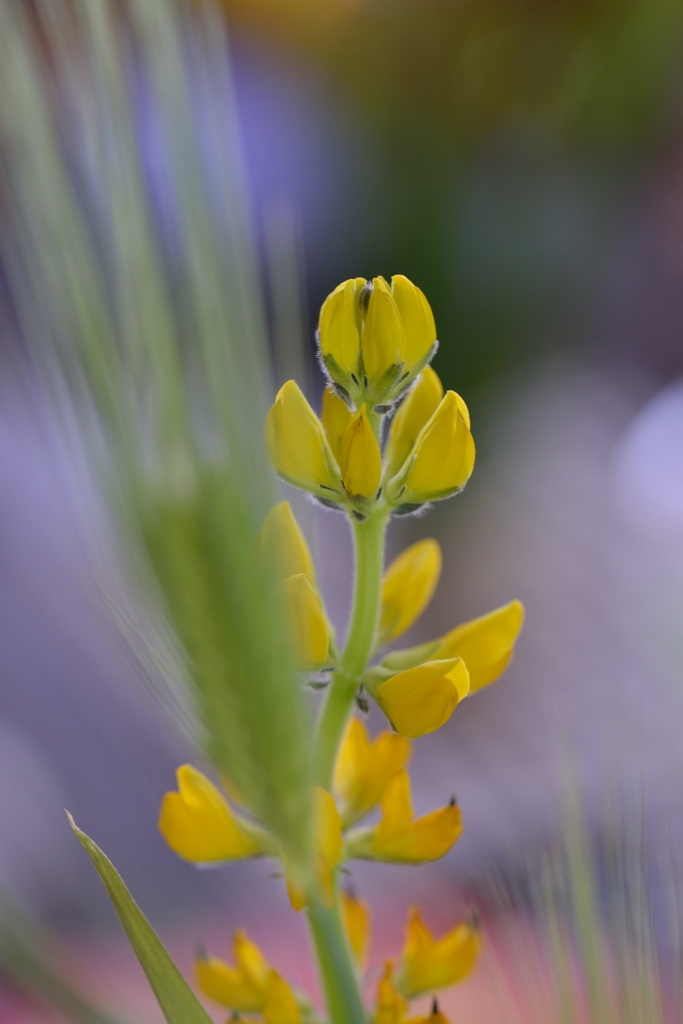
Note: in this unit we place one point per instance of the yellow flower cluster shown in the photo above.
(375, 343)
(200, 825)
(417, 688)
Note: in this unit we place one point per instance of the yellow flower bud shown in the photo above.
(242, 987)
(297, 446)
(422, 699)
(335, 417)
(356, 918)
(442, 459)
(199, 825)
(328, 845)
(408, 586)
(383, 341)
(400, 838)
(340, 326)
(360, 458)
(428, 964)
(284, 545)
(417, 320)
(414, 412)
(485, 644)
(307, 619)
(364, 767)
(391, 1006)
(281, 1006)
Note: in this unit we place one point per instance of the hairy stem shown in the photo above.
(336, 967)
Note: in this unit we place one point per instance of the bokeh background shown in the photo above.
(522, 161)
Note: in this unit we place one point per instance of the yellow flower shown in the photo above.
(335, 417)
(242, 987)
(383, 340)
(422, 699)
(428, 963)
(356, 918)
(417, 320)
(364, 767)
(359, 457)
(485, 644)
(281, 1006)
(392, 1007)
(399, 838)
(297, 447)
(340, 325)
(199, 825)
(329, 846)
(307, 619)
(284, 545)
(419, 406)
(408, 586)
(442, 459)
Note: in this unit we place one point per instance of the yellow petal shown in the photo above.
(335, 417)
(359, 457)
(307, 619)
(417, 319)
(329, 846)
(400, 838)
(198, 824)
(328, 828)
(356, 918)
(443, 456)
(391, 1006)
(296, 444)
(281, 1007)
(408, 586)
(485, 644)
(422, 699)
(242, 987)
(364, 767)
(284, 545)
(340, 319)
(428, 964)
(383, 341)
(416, 409)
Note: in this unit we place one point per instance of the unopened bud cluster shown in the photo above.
(375, 343)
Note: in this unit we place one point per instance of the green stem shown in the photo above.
(338, 974)
(369, 553)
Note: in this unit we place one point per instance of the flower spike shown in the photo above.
(408, 586)
(400, 838)
(199, 825)
(428, 964)
(364, 767)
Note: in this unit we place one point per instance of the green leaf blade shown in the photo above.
(176, 999)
